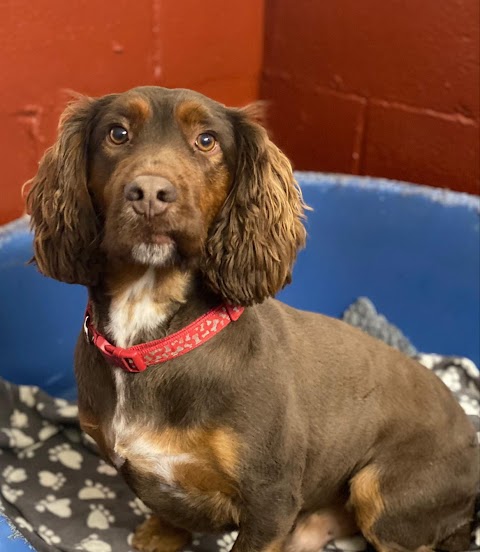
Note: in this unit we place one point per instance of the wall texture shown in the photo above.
(48, 46)
(379, 88)
(371, 87)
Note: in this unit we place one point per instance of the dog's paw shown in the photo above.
(153, 535)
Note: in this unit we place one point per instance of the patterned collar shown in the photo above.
(139, 357)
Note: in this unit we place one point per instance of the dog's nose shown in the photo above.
(150, 195)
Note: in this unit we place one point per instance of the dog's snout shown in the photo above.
(150, 195)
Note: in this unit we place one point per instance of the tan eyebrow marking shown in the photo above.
(140, 107)
(192, 113)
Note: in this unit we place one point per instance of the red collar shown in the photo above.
(140, 357)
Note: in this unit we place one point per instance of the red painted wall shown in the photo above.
(47, 46)
(379, 88)
(368, 87)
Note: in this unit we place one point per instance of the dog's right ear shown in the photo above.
(63, 219)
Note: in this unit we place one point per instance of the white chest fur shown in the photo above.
(134, 311)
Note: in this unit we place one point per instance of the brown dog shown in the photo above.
(291, 426)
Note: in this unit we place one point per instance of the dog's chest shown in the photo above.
(135, 311)
(136, 441)
(195, 466)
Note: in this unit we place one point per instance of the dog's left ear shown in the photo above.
(254, 240)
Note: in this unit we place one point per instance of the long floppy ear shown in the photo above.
(254, 240)
(63, 219)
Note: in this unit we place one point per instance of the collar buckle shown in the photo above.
(131, 361)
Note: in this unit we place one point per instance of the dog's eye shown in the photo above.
(118, 135)
(205, 142)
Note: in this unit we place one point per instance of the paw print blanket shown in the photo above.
(61, 496)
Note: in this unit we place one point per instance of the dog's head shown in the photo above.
(157, 177)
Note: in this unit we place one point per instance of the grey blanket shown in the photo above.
(62, 497)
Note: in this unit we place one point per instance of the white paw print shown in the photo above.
(93, 544)
(470, 367)
(47, 431)
(429, 360)
(51, 480)
(106, 469)
(470, 405)
(138, 507)
(99, 517)
(27, 394)
(48, 535)
(29, 452)
(59, 507)
(17, 438)
(95, 490)
(10, 494)
(66, 456)
(18, 419)
(66, 409)
(14, 475)
(451, 378)
(226, 543)
(22, 523)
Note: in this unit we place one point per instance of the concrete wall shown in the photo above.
(379, 87)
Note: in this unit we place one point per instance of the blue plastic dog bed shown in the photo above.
(413, 250)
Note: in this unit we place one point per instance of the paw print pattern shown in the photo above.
(99, 517)
(48, 535)
(67, 456)
(429, 361)
(93, 490)
(22, 523)
(66, 409)
(27, 394)
(18, 419)
(47, 431)
(51, 480)
(106, 469)
(10, 494)
(17, 438)
(451, 378)
(93, 544)
(59, 507)
(29, 452)
(14, 475)
(225, 544)
(470, 405)
(139, 508)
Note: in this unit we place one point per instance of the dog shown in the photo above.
(219, 405)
